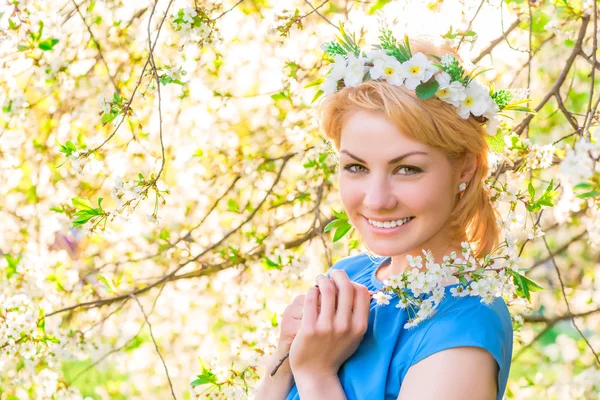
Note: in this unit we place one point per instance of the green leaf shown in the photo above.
(109, 117)
(206, 377)
(496, 142)
(583, 185)
(593, 193)
(531, 191)
(378, 6)
(279, 96)
(81, 204)
(316, 82)
(341, 215)
(269, 264)
(233, 205)
(427, 89)
(335, 224)
(48, 44)
(109, 284)
(317, 95)
(12, 265)
(341, 231)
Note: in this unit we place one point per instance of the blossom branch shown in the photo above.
(562, 286)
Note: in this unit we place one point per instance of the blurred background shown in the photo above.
(164, 186)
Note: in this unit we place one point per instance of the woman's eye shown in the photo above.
(349, 168)
(412, 170)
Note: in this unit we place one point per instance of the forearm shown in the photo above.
(278, 386)
(320, 387)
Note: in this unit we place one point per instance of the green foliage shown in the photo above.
(588, 190)
(545, 200)
(496, 142)
(401, 51)
(341, 225)
(85, 210)
(378, 5)
(206, 376)
(524, 285)
(13, 262)
(451, 34)
(427, 89)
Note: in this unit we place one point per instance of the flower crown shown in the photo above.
(393, 62)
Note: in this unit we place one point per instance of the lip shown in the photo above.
(387, 231)
(387, 219)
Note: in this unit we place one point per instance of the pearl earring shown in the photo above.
(462, 186)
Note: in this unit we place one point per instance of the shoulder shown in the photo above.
(460, 372)
(468, 333)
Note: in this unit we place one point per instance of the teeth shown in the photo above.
(389, 224)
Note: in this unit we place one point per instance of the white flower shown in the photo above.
(394, 281)
(188, 14)
(403, 303)
(103, 103)
(415, 261)
(476, 100)
(337, 72)
(355, 70)
(382, 298)
(374, 55)
(438, 295)
(491, 126)
(458, 291)
(416, 70)
(452, 93)
(388, 68)
(447, 59)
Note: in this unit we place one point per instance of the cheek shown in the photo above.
(430, 196)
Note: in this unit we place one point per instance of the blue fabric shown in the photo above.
(378, 367)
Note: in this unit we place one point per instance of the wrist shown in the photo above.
(284, 371)
(310, 382)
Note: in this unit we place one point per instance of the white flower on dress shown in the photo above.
(402, 303)
(382, 298)
(416, 70)
(458, 291)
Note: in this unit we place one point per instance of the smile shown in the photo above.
(389, 225)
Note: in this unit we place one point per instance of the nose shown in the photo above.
(379, 196)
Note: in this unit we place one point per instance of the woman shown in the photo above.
(420, 164)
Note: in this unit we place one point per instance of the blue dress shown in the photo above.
(377, 368)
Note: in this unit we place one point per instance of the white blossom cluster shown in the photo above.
(430, 281)
(474, 99)
(86, 165)
(535, 156)
(577, 167)
(18, 317)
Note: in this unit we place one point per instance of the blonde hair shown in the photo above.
(434, 123)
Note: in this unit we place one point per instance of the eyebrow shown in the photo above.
(392, 161)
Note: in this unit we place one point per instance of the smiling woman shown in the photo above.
(411, 178)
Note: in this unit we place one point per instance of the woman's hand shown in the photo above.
(290, 324)
(329, 336)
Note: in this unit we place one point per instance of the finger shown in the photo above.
(309, 311)
(362, 305)
(345, 296)
(328, 299)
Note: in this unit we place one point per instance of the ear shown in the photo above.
(469, 167)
